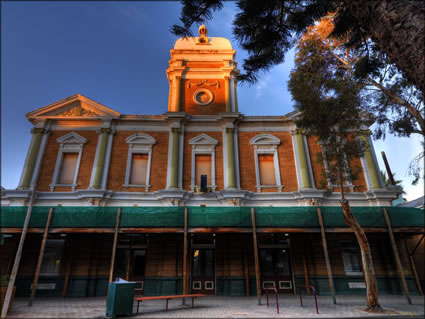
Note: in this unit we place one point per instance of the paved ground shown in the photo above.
(222, 307)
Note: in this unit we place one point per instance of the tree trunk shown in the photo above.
(369, 271)
(397, 28)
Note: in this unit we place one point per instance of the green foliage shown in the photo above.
(330, 106)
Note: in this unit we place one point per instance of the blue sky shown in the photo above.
(116, 53)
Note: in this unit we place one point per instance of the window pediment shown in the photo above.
(264, 139)
(71, 138)
(140, 138)
(203, 139)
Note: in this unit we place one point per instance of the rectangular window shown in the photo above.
(351, 257)
(139, 167)
(50, 264)
(266, 166)
(69, 165)
(202, 167)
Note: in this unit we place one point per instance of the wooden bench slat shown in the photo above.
(141, 299)
(167, 297)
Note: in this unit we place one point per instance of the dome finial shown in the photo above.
(203, 34)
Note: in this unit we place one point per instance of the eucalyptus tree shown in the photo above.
(330, 106)
(267, 29)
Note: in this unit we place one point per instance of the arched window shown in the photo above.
(139, 161)
(68, 161)
(266, 161)
(203, 161)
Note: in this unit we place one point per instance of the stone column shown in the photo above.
(100, 164)
(231, 177)
(371, 162)
(227, 94)
(235, 90)
(177, 94)
(27, 173)
(174, 177)
(302, 159)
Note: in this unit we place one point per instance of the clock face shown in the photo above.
(203, 97)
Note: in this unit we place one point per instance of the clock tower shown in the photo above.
(201, 75)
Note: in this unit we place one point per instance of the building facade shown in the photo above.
(199, 199)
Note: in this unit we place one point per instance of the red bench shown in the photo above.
(140, 299)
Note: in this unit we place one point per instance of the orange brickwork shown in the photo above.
(194, 64)
(217, 89)
(359, 180)
(288, 173)
(319, 168)
(51, 154)
(187, 159)
(118, 165)
(317, 165)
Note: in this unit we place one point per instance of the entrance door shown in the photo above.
(275, 269)
(203, 271)
(130, 265)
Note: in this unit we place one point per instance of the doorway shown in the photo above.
(275, 262)
(130, 261)
(203, 271)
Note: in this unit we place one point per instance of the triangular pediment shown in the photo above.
(71, 138)
(73, 107)
(203, 139)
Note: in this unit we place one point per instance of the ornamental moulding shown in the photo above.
(201, 82)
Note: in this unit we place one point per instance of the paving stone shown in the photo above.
(222, 307)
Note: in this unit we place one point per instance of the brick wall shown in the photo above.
(118, 165)
(187, 159)
(288, 174)
(217, 105)
(51, 154)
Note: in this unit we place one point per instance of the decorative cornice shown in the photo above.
(77, 111)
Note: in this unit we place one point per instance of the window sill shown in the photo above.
(146, 187)
(193, 188)
(353, 273)
(279, 187)
(350, 186)
(73, 186)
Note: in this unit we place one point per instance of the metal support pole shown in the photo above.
(307, 284)
(396, 256)
(257, 264)
(40, 256)
(325, 251)
(114, 246)
(185, 257)
(246, 270)
(413, 268)
(68, 269)
(15, 267)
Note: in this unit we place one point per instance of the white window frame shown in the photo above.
(203, 145)
(266, 144)
(351, 247)
(139, 143)
(348, 183)
(69, 143)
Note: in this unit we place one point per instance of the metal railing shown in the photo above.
(276, 294)
(314, 293)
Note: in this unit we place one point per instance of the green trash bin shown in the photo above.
(120, 298)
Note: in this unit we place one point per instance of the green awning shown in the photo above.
(296, 217)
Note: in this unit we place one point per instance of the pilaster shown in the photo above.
(231, 176)
(99, 165)
(30, 161)
(174, 170)
(227, 96)
(371, 163)
(301, 160)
